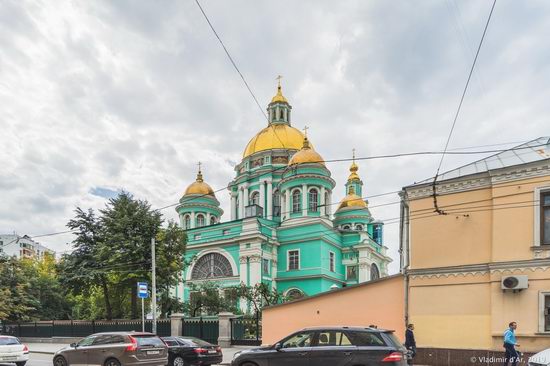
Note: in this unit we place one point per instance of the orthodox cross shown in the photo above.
(278, 78)
(353, 154)
(199, 164)
(305, 130)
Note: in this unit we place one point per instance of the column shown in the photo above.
(243, 277)
(207, 219)
(192, 220)
(329, 203)
(323, 210)
(233, 206)
(241, 203)
(269, 200)
(304, 200)
(255, 262)
(181, 221)
(245, 197)
(287, 204)
(262, 198)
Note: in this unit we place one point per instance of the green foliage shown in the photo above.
(259, 296)
(206, 299)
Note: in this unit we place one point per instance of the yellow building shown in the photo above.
(493, 224)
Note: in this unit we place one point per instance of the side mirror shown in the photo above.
(278, 346)
(72, 345)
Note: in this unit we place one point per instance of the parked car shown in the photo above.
(328, 346)
(190, 351)
(115, 349)
(13, 351)
(540, 359)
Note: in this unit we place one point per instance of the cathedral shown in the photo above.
(283, 228)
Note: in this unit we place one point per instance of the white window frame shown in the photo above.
(254, 193)
(537, 232)
(542, 295)
(265, 271)
(288, 260)
(203, 220)
(332, 261)
(292, 200)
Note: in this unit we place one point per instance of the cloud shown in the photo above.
(130, 94)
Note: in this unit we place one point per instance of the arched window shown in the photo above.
(212, 265)
(294, 294)
(346, 227)
(359, 227)
(374, 272)
(313, 200)
(276, 204)
(200, 220)
(255, 198)
(186, 222)
(212, 220)
(296, 204)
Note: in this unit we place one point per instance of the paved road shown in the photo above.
(36, 359)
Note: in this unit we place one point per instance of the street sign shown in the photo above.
(143, 292)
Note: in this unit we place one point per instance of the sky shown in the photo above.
(102, 96)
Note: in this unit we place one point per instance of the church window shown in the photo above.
(332, 263)
(276, 204)
(294, 294)
(346, 227)
(293, 260)
(265, 265)
(359, 227)
(255, 198)
(313, 200)
(351, 272)
(212, 265)
(296, 196)
(545, 218)
(200, 220)
(186, 222)
(374, 272)
(212, 220)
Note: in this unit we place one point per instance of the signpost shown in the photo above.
(143, 293)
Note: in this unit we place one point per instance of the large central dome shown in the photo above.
(275, 136)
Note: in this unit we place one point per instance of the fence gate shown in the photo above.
(246, 331)
(207, 329)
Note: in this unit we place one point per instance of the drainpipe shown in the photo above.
(404, 250)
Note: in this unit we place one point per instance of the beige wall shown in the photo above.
(380, 303)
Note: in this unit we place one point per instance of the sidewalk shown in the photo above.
(51, 348)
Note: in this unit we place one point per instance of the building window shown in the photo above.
(266, 160)
(276, 204)
(359, 227)
(346, 227)
(265, 266)
(374, 272)
(331, 261)
(211, 265)
(186, 222)
(255, 198)
(200, 220)
(296, 206)
(293, 260)
(212, 220)
(313, 200)
(294, 294)
(545, 218)
(351, 273)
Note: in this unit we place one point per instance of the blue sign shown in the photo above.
(143, 292)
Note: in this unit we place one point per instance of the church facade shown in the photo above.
(283, 228)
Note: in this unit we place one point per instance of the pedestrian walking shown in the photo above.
(510, 345)
(410, 343)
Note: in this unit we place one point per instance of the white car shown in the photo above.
(13, 351)
(540, 359)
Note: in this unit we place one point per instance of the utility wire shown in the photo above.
(436, 208)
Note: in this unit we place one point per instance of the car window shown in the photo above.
(332, 338)
(171, 342)
(104, 339)
(302, 339)
(199, 342)
(367, 339)
(87, 341)
(183, 342)
(148, 341)
(8, 341)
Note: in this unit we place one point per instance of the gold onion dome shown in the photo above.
(275, 136)
(353, 176)
(199, 187)
(306, 155)
(352, 200)
(279, 97)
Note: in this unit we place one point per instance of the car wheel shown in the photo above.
(60, 361)
(178, 361)
(112, 362)
(22, 363)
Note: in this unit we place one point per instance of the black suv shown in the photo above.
(328, 346)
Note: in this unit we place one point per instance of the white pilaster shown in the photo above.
(255, 263)
(323, 207)
(241, 203)
(245, 197)
(207, 219)
(233, 206)
(304, 200)
(269, 200)
(192, 220)
(181, 221)
(262, 198)
(287, 204)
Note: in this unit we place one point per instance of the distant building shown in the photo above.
(13, 245)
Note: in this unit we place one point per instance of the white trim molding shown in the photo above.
(542, 296)
(536, 214)
(288, 259)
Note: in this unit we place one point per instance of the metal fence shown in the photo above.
(80, 328)
(207, 329)
(246, 331)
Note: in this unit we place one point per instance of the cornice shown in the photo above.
(306, 175)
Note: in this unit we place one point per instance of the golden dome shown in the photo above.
(353, 172)
(352, 200)
(279, 97)
(199, 187)
(306, 155)
(275, 136)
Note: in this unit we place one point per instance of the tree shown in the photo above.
(259, 296)
(16, 301)
(206, 299)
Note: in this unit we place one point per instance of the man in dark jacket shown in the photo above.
(410, 342)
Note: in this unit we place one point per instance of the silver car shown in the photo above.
(13, 351)
(115, 349)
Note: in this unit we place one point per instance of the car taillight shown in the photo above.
(219, 349)
(200, 351)
(393, 357)
(132, 347)
(25, 349)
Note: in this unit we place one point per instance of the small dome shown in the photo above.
(279, 97)
(306, 155)
(353, 172)
(199, 187)
(352, 200)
